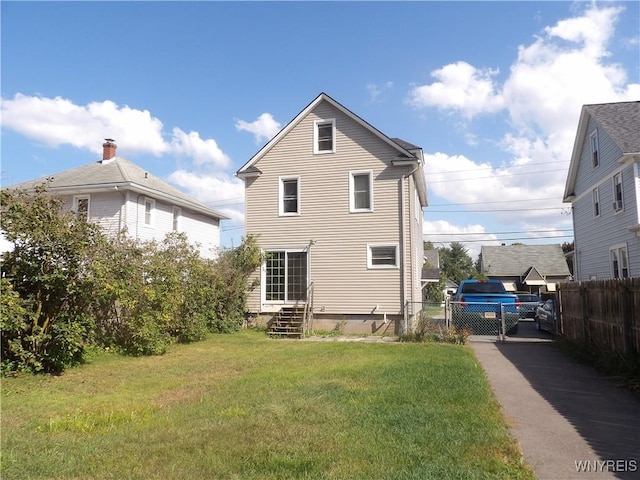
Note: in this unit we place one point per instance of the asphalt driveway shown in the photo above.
(570, 421)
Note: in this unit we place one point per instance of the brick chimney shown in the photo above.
(109, 149)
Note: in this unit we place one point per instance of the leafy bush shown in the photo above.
(66, 285)
(428, 331)
(49, 270)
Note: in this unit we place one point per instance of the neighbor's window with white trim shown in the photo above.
(81, 206)
(595, 149)
(361, 191)
(177, 213)
(596, 202)
(324, 136)
(149, 206)
(382, 256)
(619, 261)
(289, 196)
(617, 192)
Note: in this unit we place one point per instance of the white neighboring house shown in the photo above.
(603, 187)
(118, 194)
(337, 207)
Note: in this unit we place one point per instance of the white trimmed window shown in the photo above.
(595, 149)
(382, 256)
(324, 136)
(149, 207)
(618, 203)
(289, 196)
(619, 261)
(81, 206)
(177, 214)
(596, 202)
(361, 191)
(285, 276)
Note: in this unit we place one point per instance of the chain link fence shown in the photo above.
(493, 319)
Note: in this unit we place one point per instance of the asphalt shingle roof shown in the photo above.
(515, 260)
(621, 121)
(114, 172)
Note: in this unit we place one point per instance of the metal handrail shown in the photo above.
(308, 310)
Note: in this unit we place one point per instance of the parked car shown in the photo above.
(545, 316)
(529, 302)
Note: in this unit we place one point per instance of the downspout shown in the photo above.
(403, 249)
(402, 257)
(120, 216)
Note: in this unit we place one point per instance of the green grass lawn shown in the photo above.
(247, 407)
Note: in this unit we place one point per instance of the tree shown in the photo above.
(50, 271)
(455, 262)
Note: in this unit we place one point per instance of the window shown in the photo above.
(361, 191)
(619, 261)
(595, 149)
(617, 192)
(596, 202)
(382, 256)
(177, 212)
(149, 205)
(286, 277)
(324, 136)
(289, 193)
(81, 206)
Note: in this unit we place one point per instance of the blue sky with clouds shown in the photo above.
(492, 92)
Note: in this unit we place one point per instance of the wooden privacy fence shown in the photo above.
(603, 313)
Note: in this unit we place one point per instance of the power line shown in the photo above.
(495, 210)
(505, 168)
(493, 176)
(496, 201)
(500, 233)
(509, 239)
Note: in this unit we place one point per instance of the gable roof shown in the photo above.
(117, 174)
(621, 121)
(403, 148)
(518, 260)
(431, 266)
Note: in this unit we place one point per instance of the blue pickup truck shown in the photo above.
(479, 305)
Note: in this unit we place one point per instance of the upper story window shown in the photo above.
(324, 136)
(382, 256)
(289, 196)
(619, 261)
(361, 191)
(149, 206)
(618, 204)
(177, 213)
(81, 206)
(596, 202)
(595, 149)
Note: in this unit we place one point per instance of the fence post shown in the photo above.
(626, 304)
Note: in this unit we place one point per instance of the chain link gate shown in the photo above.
(485, 318)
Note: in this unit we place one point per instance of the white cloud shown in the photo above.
(58, 121)
(461, 87)
(566, 66)
(472, 236)
(263, 128)
(220, 191)
(377, 90)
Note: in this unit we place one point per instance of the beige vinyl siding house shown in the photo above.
(336, 204)
(122, 197)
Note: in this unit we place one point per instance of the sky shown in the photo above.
(190, 91)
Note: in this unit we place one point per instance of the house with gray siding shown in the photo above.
(336, 207)
(122, 197)
(526, 268)
(603, 188)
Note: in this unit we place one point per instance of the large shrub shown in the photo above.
(49, 271)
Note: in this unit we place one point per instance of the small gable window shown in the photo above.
(324, 136)
(595, 149)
